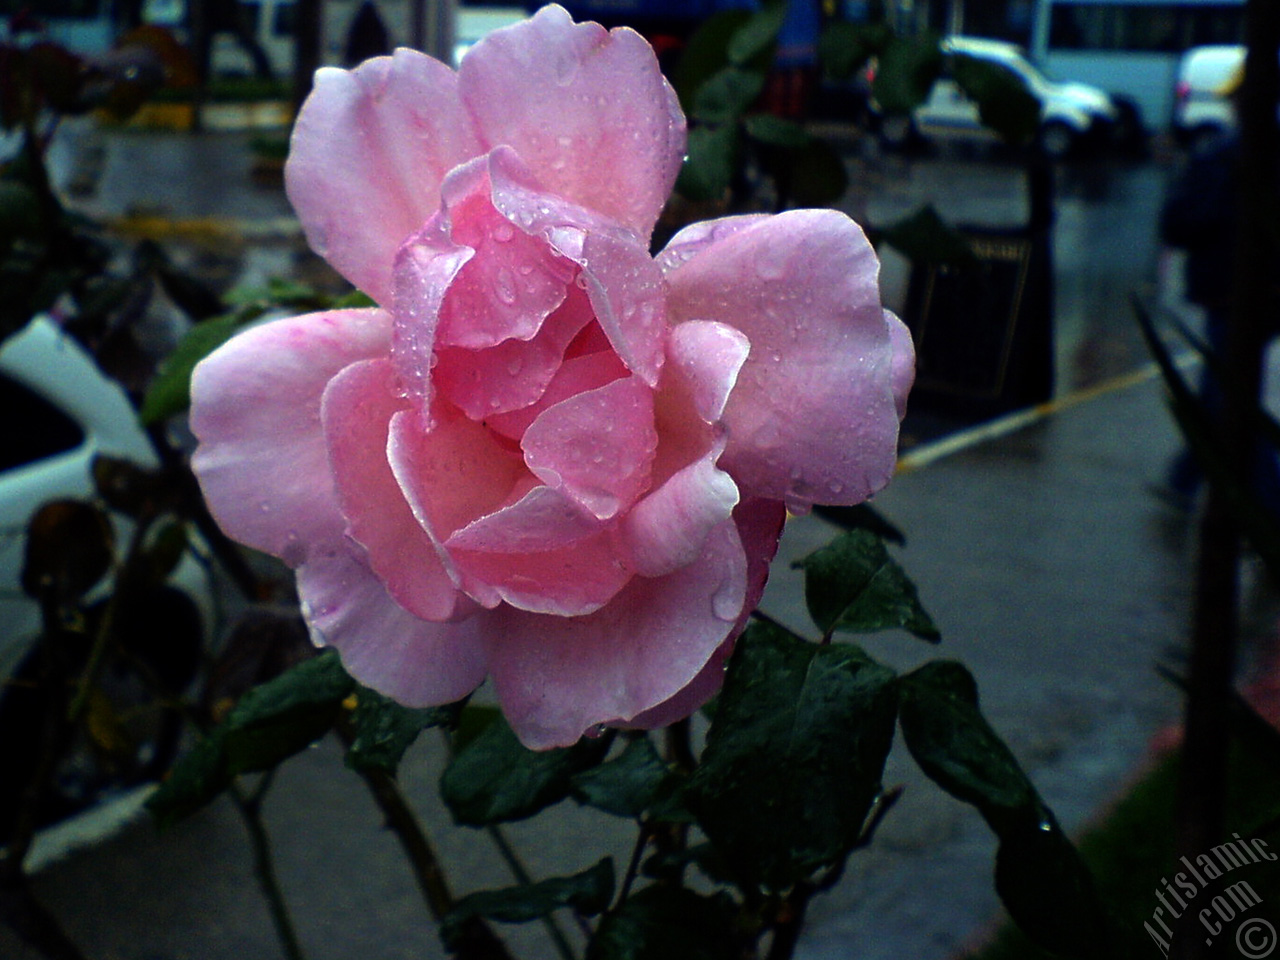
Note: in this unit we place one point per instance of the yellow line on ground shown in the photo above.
(205, 228)
(928, 453)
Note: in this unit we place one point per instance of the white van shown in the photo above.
(1202, 106)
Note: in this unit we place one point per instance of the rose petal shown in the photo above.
(904, 360)
(357, 409)
(667, 529)
(558, 677)
(415, 662)
(540, 520)
(515, 373)
(511, 284)
(813, 417)
(574, 101)
(708, 356)
(262, 462)
(597, 446)
(369, 151)
(424, 269)
(760, 527)
(576, 375)
(623, 282)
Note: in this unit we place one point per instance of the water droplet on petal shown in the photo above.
(770, 268)
(504, 286)
(515, 366)
(503, 233)
(725, 602)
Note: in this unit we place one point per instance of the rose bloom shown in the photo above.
(547, 457)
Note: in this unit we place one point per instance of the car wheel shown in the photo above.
(897, 131)
(1056, 140)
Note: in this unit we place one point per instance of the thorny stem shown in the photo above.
(517, 868)
(476, 940)
(250, 808)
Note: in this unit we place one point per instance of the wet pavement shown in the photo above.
(1052, 571)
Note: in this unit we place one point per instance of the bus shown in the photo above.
(1130, 48)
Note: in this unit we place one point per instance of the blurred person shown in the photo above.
(1200, 216)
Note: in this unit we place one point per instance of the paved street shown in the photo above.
(1053, 573)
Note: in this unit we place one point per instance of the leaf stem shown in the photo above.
(517, 868)
(250, 808)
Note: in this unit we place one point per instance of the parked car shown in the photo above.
(1201, 97)
(1071, 114)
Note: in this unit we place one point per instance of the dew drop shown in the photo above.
(770, 268)
(725, 603)
(503, 233)
(515, 366)
(504, 286)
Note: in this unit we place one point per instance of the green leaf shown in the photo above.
(665, 922)
(1049, 892)
(753, 42)
(956, 747)
(905, 73)
(794, 756)
(1004, 102)
(844, 47)
(284, 716)
(706, 54)
(194, 781)
(852, 585)
(495, 778)
(727, 95)
(271, 723)
(630, 784)
(777, 132)
(169, 393)
(70, 547)
(925, 237)
(1039, 875)
(384, 730)
(588, 892)
(710, 160)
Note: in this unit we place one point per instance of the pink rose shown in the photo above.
(548, 458)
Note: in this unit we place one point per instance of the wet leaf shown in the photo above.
(852, 585)
(862, 517)
(494, 778)
(709, 164)
(794, 756)
(170, 391)
(905, 72)
(752, 43)
(844, 48)
(588, 892)
(630, 784)
(925, 237)
(665, 922)
(384, 730)
(70, 548)
(777, 132)
(727, 95)
(1004, 102)
(706, 54)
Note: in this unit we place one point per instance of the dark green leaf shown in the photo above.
(925, 237)
(752, 43)
(727, 95)
(863, 516)
(588, 892)
(1039, 875)
(956, 747)
(709, 163)
(384, 730)
(170, 392)
(193, 782)
(794, 756)
(356, 299)
(494, 778)
(165, 549)
(669, 865)
(70, 547)
(706, 54)
(777, 132)
(283, 716)
(271, 723)
(844, 48)
(852, 585)
(905, 73)
(629, 784)
(1049, 892)
(667, 923)
(1004, 102)
(20, 216)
